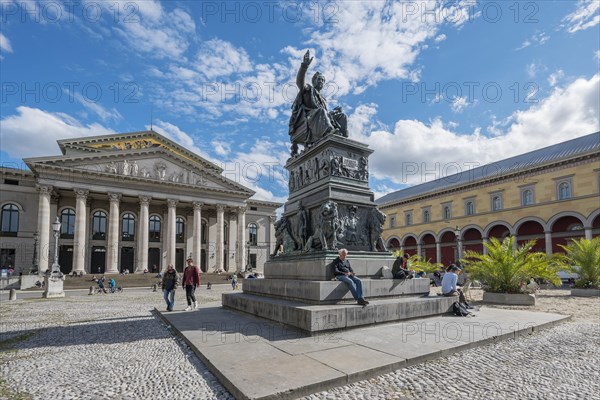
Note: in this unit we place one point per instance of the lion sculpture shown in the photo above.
(327, 228)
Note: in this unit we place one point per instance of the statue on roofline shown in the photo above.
(310, 119)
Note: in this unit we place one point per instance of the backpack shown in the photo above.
(460, 310)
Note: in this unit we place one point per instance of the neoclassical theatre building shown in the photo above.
(135, 201)
(550, 195)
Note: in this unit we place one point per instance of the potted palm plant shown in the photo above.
(505, 271)
(582, 257)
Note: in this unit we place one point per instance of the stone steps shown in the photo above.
(328, 317)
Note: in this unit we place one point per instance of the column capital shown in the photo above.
(242, 209)
(114, 197)
(81, 193)
(45, 190)
(145, 200)
(272, 218)
(220, 207)
(172, 203)
(198, 205)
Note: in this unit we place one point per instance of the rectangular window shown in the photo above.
(408, 218)
(392, 221)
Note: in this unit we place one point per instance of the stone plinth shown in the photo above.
(317, 265)
(511, 299)
(585, 292)
(319, 318)
(54, 286)
(332, 292)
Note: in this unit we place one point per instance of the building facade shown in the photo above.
(134, 201)
(551, 195)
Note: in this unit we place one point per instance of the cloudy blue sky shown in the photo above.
(434, 87)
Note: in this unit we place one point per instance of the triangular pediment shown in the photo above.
(126, 142)
(151, 165)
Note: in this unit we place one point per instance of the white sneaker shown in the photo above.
(195, 305)
(188, 308)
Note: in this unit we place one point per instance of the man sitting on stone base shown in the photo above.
(449, 284)
(344, 273)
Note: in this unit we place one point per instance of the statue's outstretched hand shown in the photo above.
(307, 58)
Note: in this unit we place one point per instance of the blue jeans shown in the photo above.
(169, 298)
(353, 283)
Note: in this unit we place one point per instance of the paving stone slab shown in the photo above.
(293, 363)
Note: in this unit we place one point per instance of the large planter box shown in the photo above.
(511, 299)
(585, 292)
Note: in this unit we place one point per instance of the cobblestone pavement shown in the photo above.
(114, 347)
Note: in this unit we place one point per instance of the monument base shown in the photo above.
(319, 318)
(54, 286)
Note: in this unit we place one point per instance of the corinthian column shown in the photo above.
(170, 242)
(79, 242)
(197, 233)
(112, 258)
(219, 242)
(241, 242)
(43, 228)
(142, 235)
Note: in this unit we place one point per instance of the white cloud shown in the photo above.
(555, 77)
(597, 55)
(174, 133)
(459, 104)
(533, 68)
(106, 115)
(586, 15)
(33, 132)
(440, 38)
(382, 44)
(149, 29)
(221, 148)
(5, 44)
(218, 58)
(537, 38)
(568, 112)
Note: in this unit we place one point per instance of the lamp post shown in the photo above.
(248, 265)
(56, 229)
(34, 262)
(458, 243)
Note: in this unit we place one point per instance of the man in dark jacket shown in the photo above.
(344, 273)
(191, 280)
(170, 281)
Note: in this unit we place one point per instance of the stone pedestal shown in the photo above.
(331, 207)
(54, 285)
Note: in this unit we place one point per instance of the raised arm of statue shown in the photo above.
(300, 78)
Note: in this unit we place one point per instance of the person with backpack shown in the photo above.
(170, 281)
(190, 281)
(449, 287)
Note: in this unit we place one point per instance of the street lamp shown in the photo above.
(248, 264)
(34, 262)
(458, 244)
(56, 229)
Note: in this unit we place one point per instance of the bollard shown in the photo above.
(91, 291)
(12, 295)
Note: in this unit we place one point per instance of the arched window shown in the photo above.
(10, 220)
(470, 208)
(426, 216)
(564, 191)
(253, 233)
(527, 197)
(128, 227)
(447, 213)
(179, 229)
(496, 203)
(67, 223)
(204, 233)
(154, 229)
(99, 225)
(408, 219)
